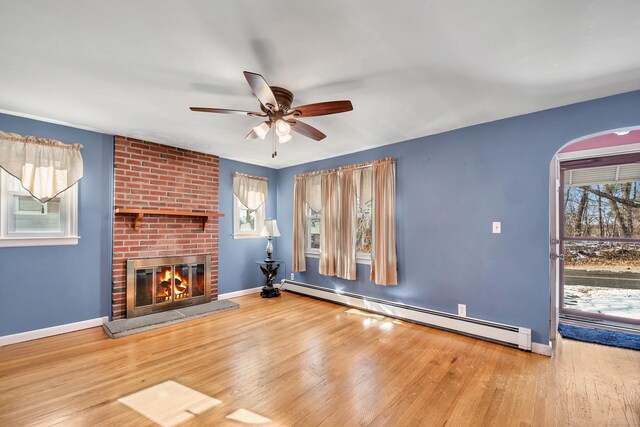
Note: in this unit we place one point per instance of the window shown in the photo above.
(313, 231)
(600, 239)
(347, 221)
(363, 232)
(24, 221)
(249, 197)
(247, 224)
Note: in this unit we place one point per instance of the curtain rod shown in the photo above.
(37, 140)
(264, 178)
(348, 167)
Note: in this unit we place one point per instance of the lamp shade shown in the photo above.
(284, 138)
(262, 129)
(270, 228)
(282, 128)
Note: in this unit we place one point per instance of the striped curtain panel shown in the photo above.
(329, 229)
(299, 225)
(346, 259)
(384, 260)
(335, 194)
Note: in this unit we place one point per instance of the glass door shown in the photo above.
(600, 238)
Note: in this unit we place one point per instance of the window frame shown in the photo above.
(361, 257)
(309, 251)
(364, 257)
(244, 234)
(68, 218)
(564, 167)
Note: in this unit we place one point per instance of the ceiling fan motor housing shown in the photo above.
(283, 96)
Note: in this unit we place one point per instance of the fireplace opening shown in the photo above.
(158, 284)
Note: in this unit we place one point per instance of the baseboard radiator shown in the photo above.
(513, 336)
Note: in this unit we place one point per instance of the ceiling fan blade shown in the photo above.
(321, 109)
(306, 130)
(226, 111)
(261, 90)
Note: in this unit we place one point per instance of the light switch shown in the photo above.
(497, 227)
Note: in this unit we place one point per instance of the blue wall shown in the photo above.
(237, 269)
(450, 187)
(48, 286)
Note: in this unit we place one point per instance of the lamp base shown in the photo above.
(269, 251)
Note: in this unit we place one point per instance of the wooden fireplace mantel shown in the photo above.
(140, 214)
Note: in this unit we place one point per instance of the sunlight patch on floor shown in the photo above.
(247, 417)
(364, 313)
(169, 403)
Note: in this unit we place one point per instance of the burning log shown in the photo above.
(180, 286)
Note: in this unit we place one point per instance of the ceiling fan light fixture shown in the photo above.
(275, 109)
(282, 128)
(262, 129)
(284, 138)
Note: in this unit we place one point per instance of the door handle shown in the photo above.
(557, 256)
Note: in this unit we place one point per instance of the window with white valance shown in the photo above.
(250, 196)
(38, 191)
(339, 219)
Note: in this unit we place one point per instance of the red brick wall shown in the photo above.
(154, 176)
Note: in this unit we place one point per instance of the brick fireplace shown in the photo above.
(158, 177)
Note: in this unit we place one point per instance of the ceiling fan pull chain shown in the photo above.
(274, 153)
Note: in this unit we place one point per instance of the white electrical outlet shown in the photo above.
(462, 310)
(292, 277)
(497, 227)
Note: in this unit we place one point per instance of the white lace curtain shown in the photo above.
(45, 167)
(313, 190)
(252, 191)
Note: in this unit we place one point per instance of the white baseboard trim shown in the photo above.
(243, 292)
(54, 330)
(497, 332)
(543, 349)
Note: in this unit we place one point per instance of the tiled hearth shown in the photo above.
(153, 176)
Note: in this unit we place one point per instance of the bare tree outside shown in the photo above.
(602, 210)
(363, 228)
(602, 277)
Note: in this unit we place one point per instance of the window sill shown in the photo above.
(15, 242)
(363, 259)
(247, 236)
(360, 259)
(312, 254)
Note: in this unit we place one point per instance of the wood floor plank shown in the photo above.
(300, 361)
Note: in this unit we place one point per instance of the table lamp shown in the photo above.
(270, 230)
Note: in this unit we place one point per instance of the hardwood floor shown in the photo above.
(299, 361)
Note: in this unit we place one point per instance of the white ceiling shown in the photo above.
(411, 68)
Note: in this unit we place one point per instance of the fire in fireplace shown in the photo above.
(158, 284)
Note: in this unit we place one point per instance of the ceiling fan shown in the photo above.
(275, 103)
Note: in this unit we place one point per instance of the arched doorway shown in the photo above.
(595, 231)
